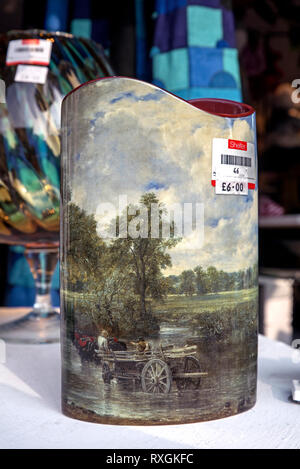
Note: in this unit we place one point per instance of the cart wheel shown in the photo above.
(191, 365)
(156, 377)
(106, 373)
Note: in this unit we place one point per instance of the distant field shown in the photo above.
(180, 304)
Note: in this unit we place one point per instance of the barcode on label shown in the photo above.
(236, 160)
(29, 49)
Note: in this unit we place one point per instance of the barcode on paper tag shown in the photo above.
(29, 51)
(31, 74)
(232, 187)
(233, 160)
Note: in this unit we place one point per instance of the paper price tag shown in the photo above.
(31, 74)
(233, 159)
(29, 51)
(232, 187)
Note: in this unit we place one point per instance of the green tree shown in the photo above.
(223, 281)
(173, 284)
(239, 280)
(98, 285)
(85, 251)
(254, 279)
(201, 280)
(141, 255)
(231, 281)
(213, 278)
(187, 282)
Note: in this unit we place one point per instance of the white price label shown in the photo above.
(232, 186)
(31, 74)
(233, 160)
(29, 51)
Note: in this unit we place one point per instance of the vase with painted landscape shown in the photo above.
(158, 255)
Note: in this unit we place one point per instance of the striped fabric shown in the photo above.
(194, 52)
(81, 23)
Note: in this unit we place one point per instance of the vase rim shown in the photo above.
(216, 106)
(223, 107)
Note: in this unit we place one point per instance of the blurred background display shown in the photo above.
(38, 69)
(244, 50)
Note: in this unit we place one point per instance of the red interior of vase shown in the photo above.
(223, 107)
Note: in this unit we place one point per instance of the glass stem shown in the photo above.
(42, 263)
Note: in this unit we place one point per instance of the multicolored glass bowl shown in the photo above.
(30, 135)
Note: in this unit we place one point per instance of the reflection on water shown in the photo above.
(227, 385)
(169, 333)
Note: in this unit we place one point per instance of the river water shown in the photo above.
(228, 387)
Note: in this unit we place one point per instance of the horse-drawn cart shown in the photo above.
(154, 370)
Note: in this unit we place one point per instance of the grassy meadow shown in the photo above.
(180, 306)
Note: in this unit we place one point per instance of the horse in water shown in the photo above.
(87, 347)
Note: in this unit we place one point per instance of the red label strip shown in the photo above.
(251, 185)
(27, 62)
(30, 41)
(237, 145)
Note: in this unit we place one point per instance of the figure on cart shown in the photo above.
(141, 345)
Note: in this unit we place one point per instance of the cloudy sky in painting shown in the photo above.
(128, 137)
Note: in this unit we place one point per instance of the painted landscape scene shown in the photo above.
(196, 330)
